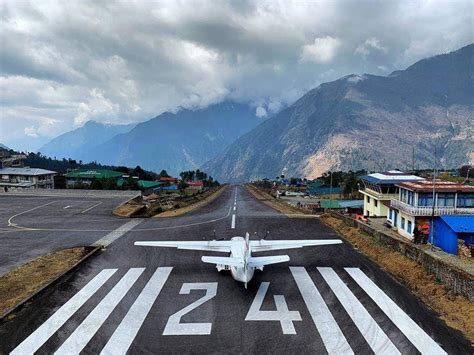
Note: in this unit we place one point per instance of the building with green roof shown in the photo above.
(86, 176)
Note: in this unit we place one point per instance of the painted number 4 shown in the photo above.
(282, 314)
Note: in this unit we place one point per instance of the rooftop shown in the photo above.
(460, 224)
(97, 173)
(390, 177)
(440, 186)
(26, 171)
(168, 178)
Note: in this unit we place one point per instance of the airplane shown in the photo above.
(241, 263)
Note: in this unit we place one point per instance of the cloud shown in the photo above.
(260, 112)
(370, 45)
(123, 62)
(322, 50)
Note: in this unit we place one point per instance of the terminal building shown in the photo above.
(379, 188)
(26, 178)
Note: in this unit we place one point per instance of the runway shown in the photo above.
(327, 299)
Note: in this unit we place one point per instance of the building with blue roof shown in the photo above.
(379, 188)
(448, 229)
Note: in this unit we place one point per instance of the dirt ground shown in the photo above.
(204, 199)
(129, 208)
(269, 200)
(23, 281)
(455, 310)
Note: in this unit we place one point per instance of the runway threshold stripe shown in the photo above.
(330, 333)
(373, 334)
(51, 326)
(114, 235)
(88, 209)
(86, 330)
(410, 329)
(127, 330)
(232, 225)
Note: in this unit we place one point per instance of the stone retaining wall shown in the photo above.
(458, 280)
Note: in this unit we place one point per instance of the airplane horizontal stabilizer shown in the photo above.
(267, 245)
(219, 260)
(267, 260)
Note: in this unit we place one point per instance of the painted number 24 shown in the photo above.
(281, 314)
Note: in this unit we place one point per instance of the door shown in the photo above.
(395, 218)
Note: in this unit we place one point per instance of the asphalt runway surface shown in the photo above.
(129, 299)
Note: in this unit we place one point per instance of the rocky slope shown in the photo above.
(365, 121)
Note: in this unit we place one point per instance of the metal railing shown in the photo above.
(428, 210)
(378, 195)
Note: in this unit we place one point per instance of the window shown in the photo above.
(368, 199)
(409, 227)
(375, 202)
(465, 200)
(402, 224)
(445, 199)
(390, 214)
(425, 200)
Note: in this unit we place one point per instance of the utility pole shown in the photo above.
(432, 232)
(330, 192)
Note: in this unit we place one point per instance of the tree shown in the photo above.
(163, 173)
(182, 185)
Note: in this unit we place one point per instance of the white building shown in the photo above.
(414, 204)
(379, 188)
(20, 178)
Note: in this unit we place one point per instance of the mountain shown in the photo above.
(77, 143)
(178, 141)
(366, 121)
(3, 146)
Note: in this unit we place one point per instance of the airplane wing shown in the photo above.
(267, 260)
(267, 245)
(223, 260)
(222, 246)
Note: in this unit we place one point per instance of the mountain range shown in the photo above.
(358, 121)
(365, 121)
(82, 141)
(172, 141)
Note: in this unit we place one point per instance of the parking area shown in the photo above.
(33, 225)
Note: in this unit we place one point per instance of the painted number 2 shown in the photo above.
(282, 314)
(174, 327)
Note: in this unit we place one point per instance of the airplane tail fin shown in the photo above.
(260, 261)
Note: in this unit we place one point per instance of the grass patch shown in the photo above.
(455, 310)
(25, 280)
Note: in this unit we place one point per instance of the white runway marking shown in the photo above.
(48, 328)
(66, 207)
(86, 330)
(32, 209)
(410, 329)
(235, 208)
(123, 336)
(114, 235)
(88, 209)
(373, 334)
(330, 333)
(232, 225)
(282, 313)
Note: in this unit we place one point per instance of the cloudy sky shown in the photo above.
(63, 63)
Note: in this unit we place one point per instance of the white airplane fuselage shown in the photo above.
(240, 249)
